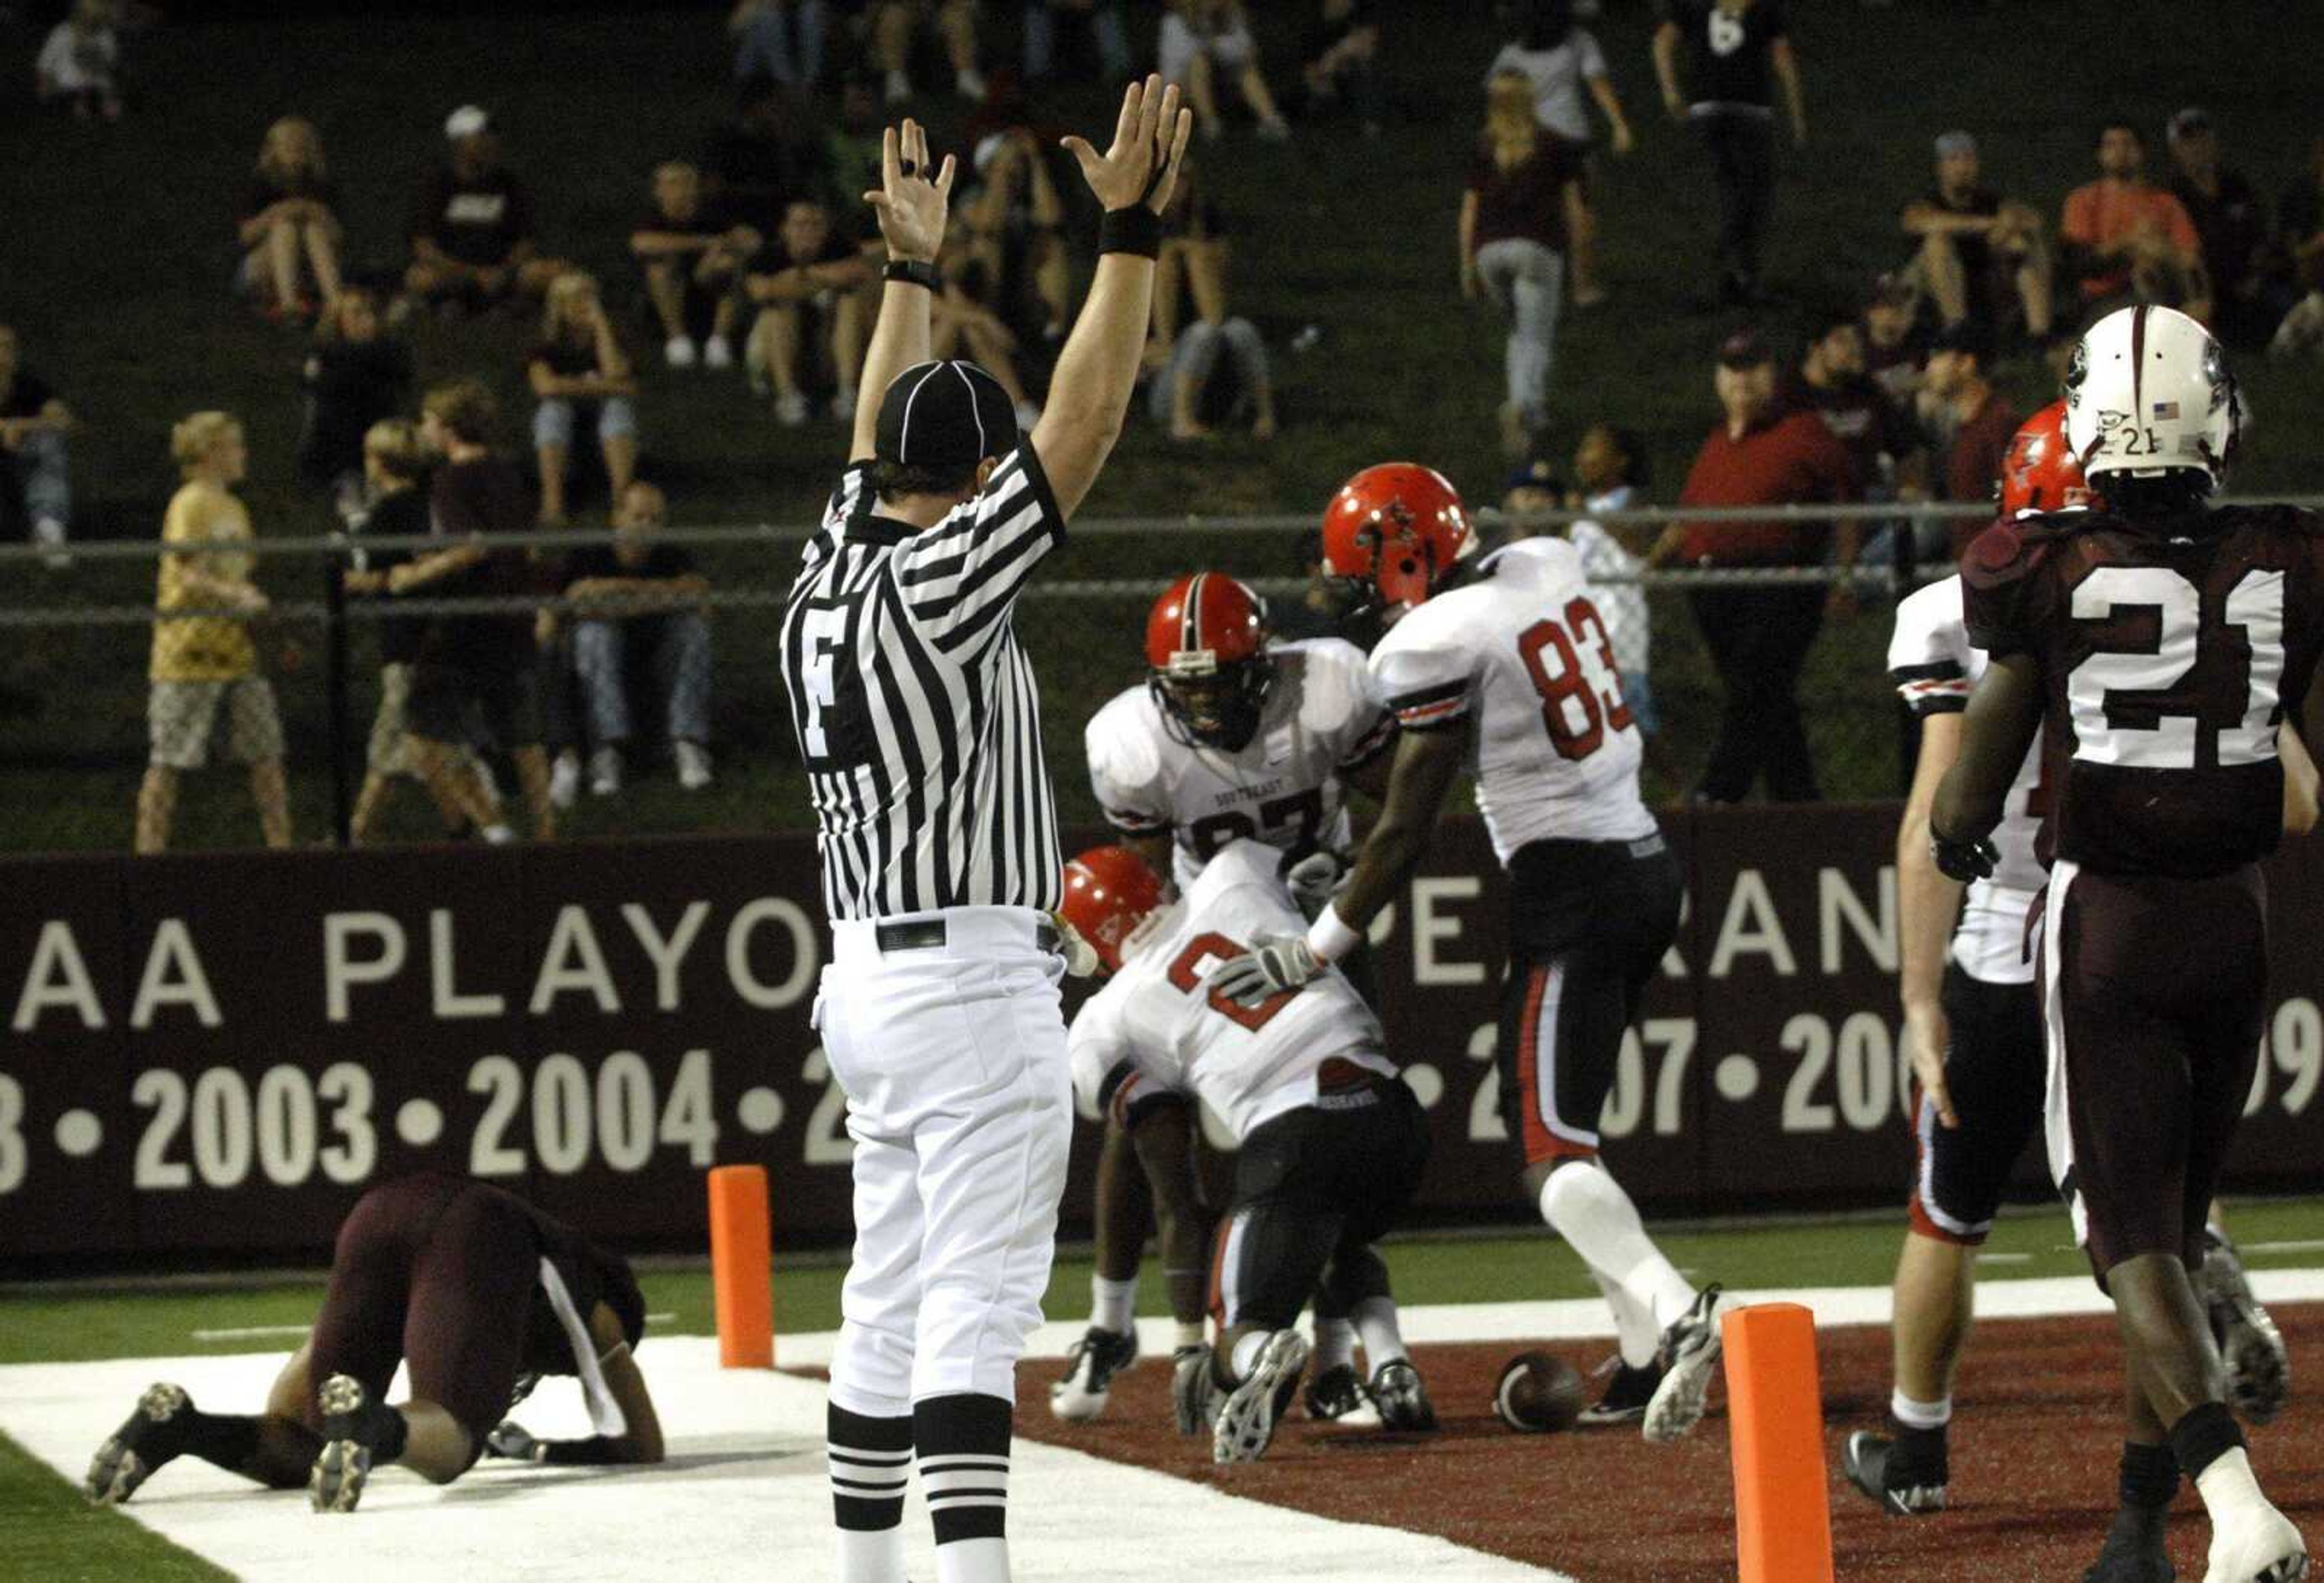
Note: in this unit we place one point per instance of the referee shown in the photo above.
(919, 723)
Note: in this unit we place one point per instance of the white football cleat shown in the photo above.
(2257, 1545)
(1689, 1358)
(1248, 1417)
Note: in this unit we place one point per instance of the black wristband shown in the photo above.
(1136, 229)
(912, 272)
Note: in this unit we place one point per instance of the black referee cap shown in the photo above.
(949, 414)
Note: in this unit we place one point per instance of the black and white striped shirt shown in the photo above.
(916, 711)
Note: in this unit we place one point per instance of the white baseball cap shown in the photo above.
(467, 122)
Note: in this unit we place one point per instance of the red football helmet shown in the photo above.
(1398, 527)
(1109, 892)
(1206, 643)
(2039, 471)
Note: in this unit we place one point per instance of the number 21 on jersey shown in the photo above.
(2112, 728)
(1572, 664)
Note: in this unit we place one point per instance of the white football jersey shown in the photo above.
(1155, 1023)
(1321, 717)
(1525, 653)
(1935, 670)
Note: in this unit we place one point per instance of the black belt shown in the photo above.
(929, 934)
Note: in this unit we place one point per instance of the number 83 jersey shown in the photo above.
(1321, 717)
(2171, 648)
(1523, 653)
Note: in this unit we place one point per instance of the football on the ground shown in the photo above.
(1538, 1393)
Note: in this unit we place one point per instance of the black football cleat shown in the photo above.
(1334, 1393)
(1091, 1364)
(1905, 1476)
(2134, 1551)
(1627, 1393)
(1402, 1399)
(152, 1436)
(354, 1429)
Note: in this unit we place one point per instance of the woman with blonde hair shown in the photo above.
(204, 664)
(579, 365)
(1513, 246)
(290, 225)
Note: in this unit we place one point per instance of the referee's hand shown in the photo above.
(1149, 146)
(912, 198)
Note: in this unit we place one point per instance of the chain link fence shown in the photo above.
(281, 651)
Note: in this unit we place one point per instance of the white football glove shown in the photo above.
(1313, 879)
(1273, 964)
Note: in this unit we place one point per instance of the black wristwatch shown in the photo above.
(912, 272)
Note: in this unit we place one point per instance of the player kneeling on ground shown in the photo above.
(481, 1295)
(1332, 1142)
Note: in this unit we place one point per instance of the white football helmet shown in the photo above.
(2148, 392)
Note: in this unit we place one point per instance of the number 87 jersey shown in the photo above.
(1522, 652)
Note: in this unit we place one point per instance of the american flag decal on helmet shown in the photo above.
(2166, 412)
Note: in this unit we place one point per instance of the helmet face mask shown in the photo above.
(1214, 705)
(1208, 668)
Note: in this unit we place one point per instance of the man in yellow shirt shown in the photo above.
(204, 664)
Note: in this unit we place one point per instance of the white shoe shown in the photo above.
(50, 535)
(900, 86)
(2258, 1544)
(970, 83)
(1089, 1367)
(2259, 1368)
(790, 410)
(693, 765)
(718, 352)
(565, 779)
(1248, 1417)
(1689, 1358)
(678, 352)
(605, 772)
(843, 406)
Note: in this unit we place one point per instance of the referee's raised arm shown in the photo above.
(1097, 372)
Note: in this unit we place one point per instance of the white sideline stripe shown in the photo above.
(276, 1332)
(744, 1498)
(1579, 1319)
(2297, 1245)
(2004, 1258)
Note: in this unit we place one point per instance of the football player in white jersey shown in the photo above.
(1332, 1142)
(1502, 663)
(1973, 1028)
(1230, 737)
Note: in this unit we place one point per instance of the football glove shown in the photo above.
(1193, 1393)
(1274, 963)
(1964, 861)
(1313, 879)
(515, 1442)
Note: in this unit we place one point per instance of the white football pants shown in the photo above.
(960, 1104)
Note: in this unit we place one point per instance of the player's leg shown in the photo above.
(1110, 1344)
(991, 1140)
(1995, 1069)
(1270, 1253)
(1379, 1173)
(274, 1448)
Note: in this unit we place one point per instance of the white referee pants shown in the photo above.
(960, 1104)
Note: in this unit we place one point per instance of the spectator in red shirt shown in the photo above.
(2126, 240)
(1759, 634)
(1971, 424)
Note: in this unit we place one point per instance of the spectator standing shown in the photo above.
(1097, 27)
(779, 39)
(770, 154)
(1562, 62)
(356, 376)
(2230, 220)
(1513, 247)
(288, 227)
(1736, 49)
(1831, 381)
(692, 256)
(809, 285)
(35, 427)
(639, 596)
(480, 666)
(1977, 248)
(472, 235)
(394, 467)
(1759, 634)
(1203, 39)
(2125, 241)
(205, 667)
(1971, 424)
(80, 62)
(577, 373)
(893, 25)
(1339, 60)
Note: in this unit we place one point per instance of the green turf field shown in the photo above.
(119, 285)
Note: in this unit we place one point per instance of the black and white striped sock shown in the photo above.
(870, 1462)
(962, 1443)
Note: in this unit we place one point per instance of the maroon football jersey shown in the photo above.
(2171, 648)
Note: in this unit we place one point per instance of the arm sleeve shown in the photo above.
(1426, 685)
(1360, 726)
(1924, 654)
(1125, 776)
(961, 576)
(853, 494)
(1998, 590)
